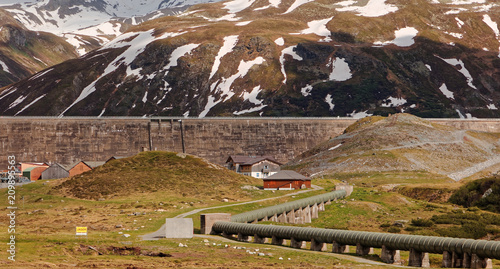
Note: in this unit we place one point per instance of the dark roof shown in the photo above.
(287, 175)
(249, 160)
(115, 158)
(60, 165)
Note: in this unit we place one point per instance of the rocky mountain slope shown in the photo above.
(431, 58)
(403, 142)
(87, 24)
(24, 52)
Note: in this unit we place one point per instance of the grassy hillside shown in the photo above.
(482, 193)
(150, 172)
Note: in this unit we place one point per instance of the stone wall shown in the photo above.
(68, 140)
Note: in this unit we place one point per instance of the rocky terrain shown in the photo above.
(24, 52)
(403, 142)
(430, 58)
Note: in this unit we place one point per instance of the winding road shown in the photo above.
(160, 233)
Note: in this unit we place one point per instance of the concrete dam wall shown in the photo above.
(71, 139)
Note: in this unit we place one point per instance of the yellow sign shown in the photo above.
(81, 230)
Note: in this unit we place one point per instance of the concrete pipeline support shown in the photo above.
(474, 253)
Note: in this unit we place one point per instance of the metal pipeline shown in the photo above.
(430, 244)
(287, 207)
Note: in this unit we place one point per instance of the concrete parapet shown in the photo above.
(418, 259)
(208, 220)
(179, 228)
(297, 244)
(318, 246)
(338, 248)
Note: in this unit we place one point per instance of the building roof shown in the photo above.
(249, 160)
(60, 165)
(115, 158)
(287, 175)
(90, 164)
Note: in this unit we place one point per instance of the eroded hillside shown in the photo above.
(403, 143)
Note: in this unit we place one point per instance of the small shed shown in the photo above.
(55, 171)
(287, 180)
(34, 173)
(83, 166)
(254, 166)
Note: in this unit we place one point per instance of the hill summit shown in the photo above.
(150, 172)
(402, 142)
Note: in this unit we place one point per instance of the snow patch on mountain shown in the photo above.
(318, 27)
(297, 4)
(404, 38)
(223, 86)
(5, 67)
(176, 54)
(290, 51)
(236, 6)
(329, 101)
(449, 94)
(359, 115)
(136, 43)
(394, 102)
(374, 8)
(252, 98)
(462, 69)
(494, 26)
(279, 41)
(340, 70)
(28, 105)
(306, 91)
(272, 3)
(227, 47)
(16, 102)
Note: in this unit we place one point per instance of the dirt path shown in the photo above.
(160, 233)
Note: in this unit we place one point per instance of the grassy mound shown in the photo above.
(149, 172)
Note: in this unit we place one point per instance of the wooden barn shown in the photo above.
(255, 166)
(55, 171)
(287, 180)
(34, 173)
(83, 166)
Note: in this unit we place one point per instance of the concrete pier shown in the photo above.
(418, 259)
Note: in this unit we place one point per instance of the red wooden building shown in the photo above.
(286, 180)
(83, 166)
